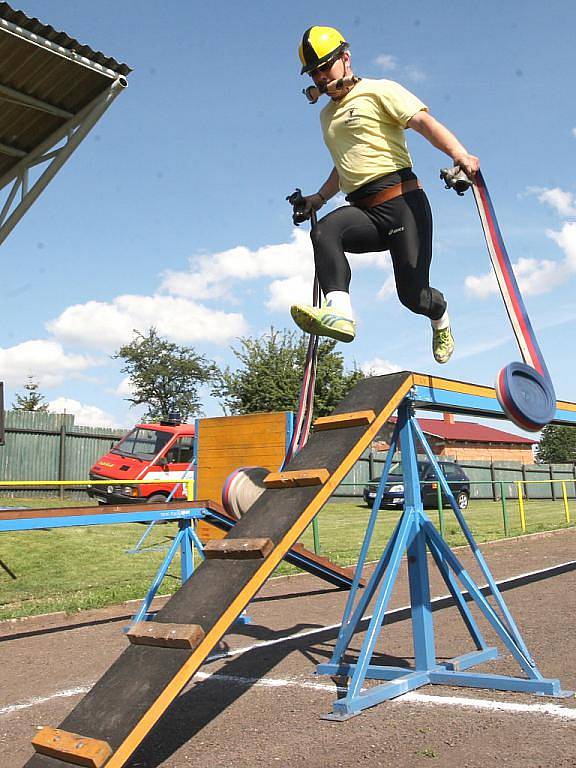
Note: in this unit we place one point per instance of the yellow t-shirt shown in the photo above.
(364, 131)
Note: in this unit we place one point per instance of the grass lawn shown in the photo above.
(77, 568)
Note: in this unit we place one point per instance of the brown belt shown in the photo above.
(371, 201)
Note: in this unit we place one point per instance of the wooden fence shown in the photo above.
(48, 446)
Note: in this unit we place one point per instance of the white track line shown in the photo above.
(551, 710)
(554, 711)
(37, 700)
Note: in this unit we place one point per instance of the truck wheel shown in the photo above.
(156, 498)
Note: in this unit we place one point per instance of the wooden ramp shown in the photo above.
(112, 720)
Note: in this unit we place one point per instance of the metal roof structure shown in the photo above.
(53, 90)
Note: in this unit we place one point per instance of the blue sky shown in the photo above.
(172, 212)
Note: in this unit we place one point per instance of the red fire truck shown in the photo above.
(161, 452)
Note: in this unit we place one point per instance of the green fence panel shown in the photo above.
(564, 472)
(47, 446)
(508, 472)
(537, 490)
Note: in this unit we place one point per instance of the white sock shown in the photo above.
(340, 302)
(443, 322)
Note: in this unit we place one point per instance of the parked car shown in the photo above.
(394, 491)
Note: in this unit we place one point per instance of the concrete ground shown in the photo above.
(261, 701)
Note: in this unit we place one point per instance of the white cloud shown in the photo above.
(566, 240)
(107, 326)
(481, 286)
(43, 359)
(538, 276)
(386, 62)
(574, 132)
(293, 290)
(388, 288)
(534, 276)
(211, 275)
(414, 73)
(85, 415)
(380, 259)
(125, 388)
(562, 202)
(378, 367)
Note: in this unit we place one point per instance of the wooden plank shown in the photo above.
(166, 635)
(72, 748)
(207, 531)
(229, 442)
(343, 420)
(238, 549)
(297, 478)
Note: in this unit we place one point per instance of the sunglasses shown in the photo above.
(326, 67)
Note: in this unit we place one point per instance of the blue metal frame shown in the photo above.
(450, 400)
(187, 542)
(415, 534)
(36, 523)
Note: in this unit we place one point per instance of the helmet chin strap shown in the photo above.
(335, 88)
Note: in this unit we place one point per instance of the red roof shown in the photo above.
(468, 431)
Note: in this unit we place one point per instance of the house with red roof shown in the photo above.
(468, 441)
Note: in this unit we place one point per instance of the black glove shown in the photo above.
(298, 203)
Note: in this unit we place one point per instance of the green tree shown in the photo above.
(33, 400)
(269, 375)
(164, 376)
(557, 445)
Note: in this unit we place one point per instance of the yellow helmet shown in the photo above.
(319, 45)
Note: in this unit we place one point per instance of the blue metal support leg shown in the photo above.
(415, 534)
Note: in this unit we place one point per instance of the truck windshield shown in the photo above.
(142, 443)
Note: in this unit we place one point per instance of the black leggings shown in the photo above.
(402, 226)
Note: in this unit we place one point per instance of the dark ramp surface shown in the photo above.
(137, 689)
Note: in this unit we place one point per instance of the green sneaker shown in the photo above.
(323, 322)
(442, 344)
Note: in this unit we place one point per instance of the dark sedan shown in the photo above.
(394, 492)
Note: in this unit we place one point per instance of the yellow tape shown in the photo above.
(52, 483)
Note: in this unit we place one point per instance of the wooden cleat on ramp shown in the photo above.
(238, 549)
(297, 478)
(343, 420)
(166, 635)
(72, 748)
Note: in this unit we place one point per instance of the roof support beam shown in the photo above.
(17, 97)
(41, 42)
(73, 131)
(6, 149)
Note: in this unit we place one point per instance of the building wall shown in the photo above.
(468, 451)
(483, 451)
